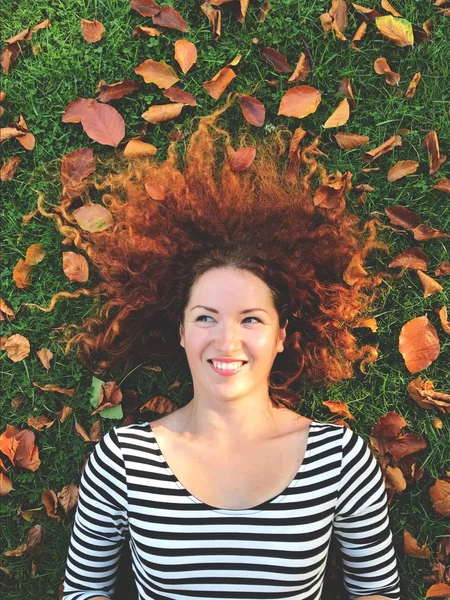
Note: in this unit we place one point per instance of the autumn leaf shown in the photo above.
(435, 159)
(9, 169)
(430, 285)
(45, 356)
(253, 110)
(299, 101)
(103, 124)
(114, 91)
(21, 273)
(75, 110)
(35, 254)
(136, 147)
(159, 73)
(214, 17)
(402, 216)
(411, 258)
(345, 88)
(146, 8)
(6, 311)
(242, 159)
(177, 95)
(93, 217)
(162, 112)
(397, 31)
(349, 141)
(19, 447)
(340, 116)
(76, 166)
(75, 267)
(185, 54)
(9, 55)
(50, 387)
(389, 8)
(401, 169)
(168, 17)
(359, 34)
(217, 85)
(443, 186)
(17, 347)
(140, 31)
(418, 344)
(385, 147)
(410, 92)
(412, 548)
(276, 60)
(382, 68)
(40, 423)
(92, 30)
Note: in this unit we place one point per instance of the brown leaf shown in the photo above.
(92, 30)
(410, 92)
(276, 60)
(168, 17)
(23, 35)
(103, 124)
(155, 190)
(17, 347)
(301, 70)
(389, 8)
(114, 91)
(140, 31)
(425, 232)
(424, 394)
(217, 85)
(159, 73)
(349, 141)
(45, 356)
(7, 133)
(136, 147)
(345, 88)
(9, 169)
(242, 159)
(81, 432)
(430, 285)
(214, 17)
(93, 217)
(326, 21)
(412, 258)
(442, 269)
(386, 146)
(401, 169)
(338, 12)
(6, 311)
(382, 68)
(339, 408)
(146, 8)
(185, 54)
(443, 186)
(397, 31)
(35, 254)
(65, 412)
(9, 55)
(42, 25)
(359, 34)
(411, 547)
(75, 267)
(5, 484)
(75, 110)
(177, 95)
(418, 344)
(299, 101)
(19, 447)
(440, 496)
(435, 159)
(253, 110)
(110, 395)
(68, 497)
(402, 216)
(41, 423)
(76, 166)
(163, 112)
(21, 273)
(444, 319)
(50, 501)
(49, 387)
(340, 116)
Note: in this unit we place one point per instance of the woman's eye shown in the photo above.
(209, 317)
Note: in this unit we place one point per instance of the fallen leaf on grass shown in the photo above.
(19, 447)
(299, 101)
(418, 344)
(17, 347)
(253, 110)
(45, 356)
(444, 319)
(177, 95)
(397, 31)
(345, 88)
(385, 147)
(338, 12)
(76, 166)
(359, 34)
(75, 267)
(412, 548)
(276, 60)
(75, 110)
(168, 17)
(41, 423)
(217, 85)
(410, 92)
(443, 186)
(401, 169)
(5, 484)
(136, 147)
(140, 31)
(340, 116)
(430, 285)
(424, 394)
(349, 141)
(6, 311)
(146, 8)
(241, 159)
(21, 273)
(389, 8)
(163, 112)
(435, 159)
(301, 70)
(214, 17)
(185, 54)
(382, 67)
(49, 387)
(103, 124)
(92, 30)
(93, 217)
(411, 258)
(440, 496)
(35, 254)
(157, 72)
(110, 396)
(9, 169)
(114, 91)
(443, 268)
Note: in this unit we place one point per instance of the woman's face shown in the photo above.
(225, 331)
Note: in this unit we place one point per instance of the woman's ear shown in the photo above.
(282, 336)
(181, 331)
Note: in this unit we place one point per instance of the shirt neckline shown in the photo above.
(239, 511)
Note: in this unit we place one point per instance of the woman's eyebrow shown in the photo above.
(213, 310)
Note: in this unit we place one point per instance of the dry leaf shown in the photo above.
(359, 34)
(114, 91)
(136, 147)
(9, 169)
(75, 110)
(276, 60)
(168, 17)
(49, 387)
(177, 95)
(45, 356)
(382, 68)
(93, 217)
(40, 423)
(440, 496)
(349, 141)
(340, 116)
(397, 31)
(430, 285)
(411, 547)
(17, 347)
(299, 101)
(217, 85)
(345, 89)
(401, 169)
(92, 30)
(6, 311)
(443, 186)
(146, 8)
(386, 146)
(418, 344)
(242, 159)
(9, 55)
(301, 70)
(19, 447)
(75, 267)
(253, 110)
(163, 112)
(435, 159)
(103, 124)
(35, 254)
(389, 8)
(140, 31)
(76, 166)
(411, 258)
(185, 54)
(21, 273)
(402, 216)
(410, 92)
(214, 17)
(159, 73)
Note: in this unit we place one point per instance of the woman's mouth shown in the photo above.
(226, 372)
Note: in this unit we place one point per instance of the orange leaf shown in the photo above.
(301, 70)
(397, 31)
(299, 101)
(435, 159)
(19, 447)
(40, 423)
(9, 55)
(389, 8)
(185, 54)
(49, 387)
(163, 112)
(146, 8)
(340, 116)
(253, 110)
(103, 124)
(401, 169)
(5, 485)
(75, 267)
(136, 147)
(159, 73)
(412, 548)
(93, 217)
(382, 68)
(386, 146)
(21, 273)
(17, 347)
(35, 254)
(76, 166)
(140, 31)
(359, 34)
(276, 60)
(45, 356)
(242, 159)
(5, 311)
(177, 95)
(410, 92)
(217, 85)
(9, 169)
(167, 16)
(430, 285)
(114, 91)
(92, 30)
(443, 186)
(419, 344)
(349, 141)
(214, 17)
(412, 258)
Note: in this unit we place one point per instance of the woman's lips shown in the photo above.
(226, 373)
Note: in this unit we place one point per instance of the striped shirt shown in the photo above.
(182, 548)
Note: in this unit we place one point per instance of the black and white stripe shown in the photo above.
(184, 549)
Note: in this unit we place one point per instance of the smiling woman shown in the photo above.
(253, 275)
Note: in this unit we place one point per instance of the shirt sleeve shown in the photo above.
(361, 524)
(100, 525)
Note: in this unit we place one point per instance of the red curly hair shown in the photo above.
(265, 219)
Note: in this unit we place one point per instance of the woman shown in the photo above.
(234, 495)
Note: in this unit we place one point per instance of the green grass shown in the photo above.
(40, 86)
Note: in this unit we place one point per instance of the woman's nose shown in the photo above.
(228, 338)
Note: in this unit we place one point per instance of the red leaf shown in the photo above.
(103, 124)
(277, 60)
(253, 110)
(169, 17)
